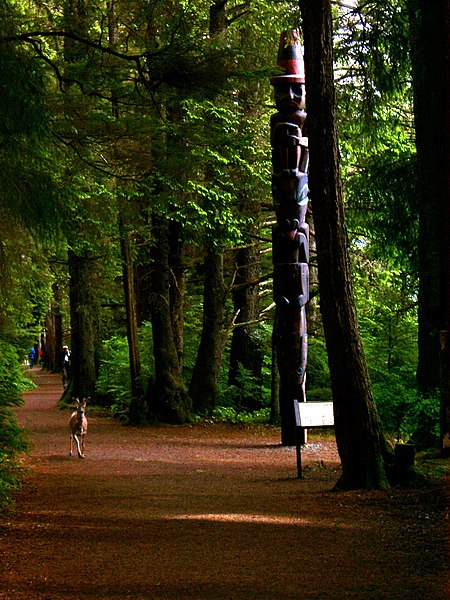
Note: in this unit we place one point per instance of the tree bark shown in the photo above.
(203, 385)
(82, 293)
(246, 348)
(83, 320)
(428, 83)
(431, 84)
(170, 402)
(177, 287)
(360, 442)
(54, 332)
(137, 410)
(204, 380)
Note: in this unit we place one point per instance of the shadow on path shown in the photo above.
(205, 512)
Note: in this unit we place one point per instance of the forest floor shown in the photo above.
(208, 512)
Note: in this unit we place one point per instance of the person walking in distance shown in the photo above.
(31, 356)
(65, 366)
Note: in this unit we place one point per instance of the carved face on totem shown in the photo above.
(289, 95)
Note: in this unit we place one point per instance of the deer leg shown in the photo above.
(79, 446)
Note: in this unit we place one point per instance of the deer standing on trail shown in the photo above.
(78, 427)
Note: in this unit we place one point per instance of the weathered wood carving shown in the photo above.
(290, 242)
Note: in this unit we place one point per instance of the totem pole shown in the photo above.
(290, 237)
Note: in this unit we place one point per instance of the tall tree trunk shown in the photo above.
(203, 385)
(430, 43)
(204, 380)
(428, 84)
(360, 442)
(82, 272)
(83, 320)
(170, 402)
(218, 17)
(50, 350)
(137, 409)
(54, 331)
(246, 348)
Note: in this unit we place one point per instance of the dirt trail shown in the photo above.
(206, 512)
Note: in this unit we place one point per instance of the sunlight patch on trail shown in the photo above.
(267, 519)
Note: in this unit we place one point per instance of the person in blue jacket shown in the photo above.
(31, 357)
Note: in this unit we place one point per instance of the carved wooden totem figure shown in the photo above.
(290, 241)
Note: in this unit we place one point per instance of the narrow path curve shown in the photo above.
(205, 512)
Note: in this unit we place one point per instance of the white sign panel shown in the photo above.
(315, 414)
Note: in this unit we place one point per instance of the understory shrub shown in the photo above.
(248, 392)
(113, 384)
(405, 414)
(228, 414)
(12, 437)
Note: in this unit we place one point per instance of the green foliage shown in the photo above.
(383, 204)
(187, 135)
(380, 176)
(374, 74)
(387, 315)
(12, 438)
(28, 189)
(426, 414)
(324, 394)
(205, 196)
(25, 286)
(247, 387)
(113, 384)
(405, 414)
(228, 414)
(387, 312)
(318, 374)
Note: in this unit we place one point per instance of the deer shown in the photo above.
(78, 427)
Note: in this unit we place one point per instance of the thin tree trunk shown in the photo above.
(361, 444)
(177, 287)
(428, 94)
(245, 347)
(137, 410)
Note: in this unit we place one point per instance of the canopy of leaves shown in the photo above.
(28, 190)
(122, 109)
